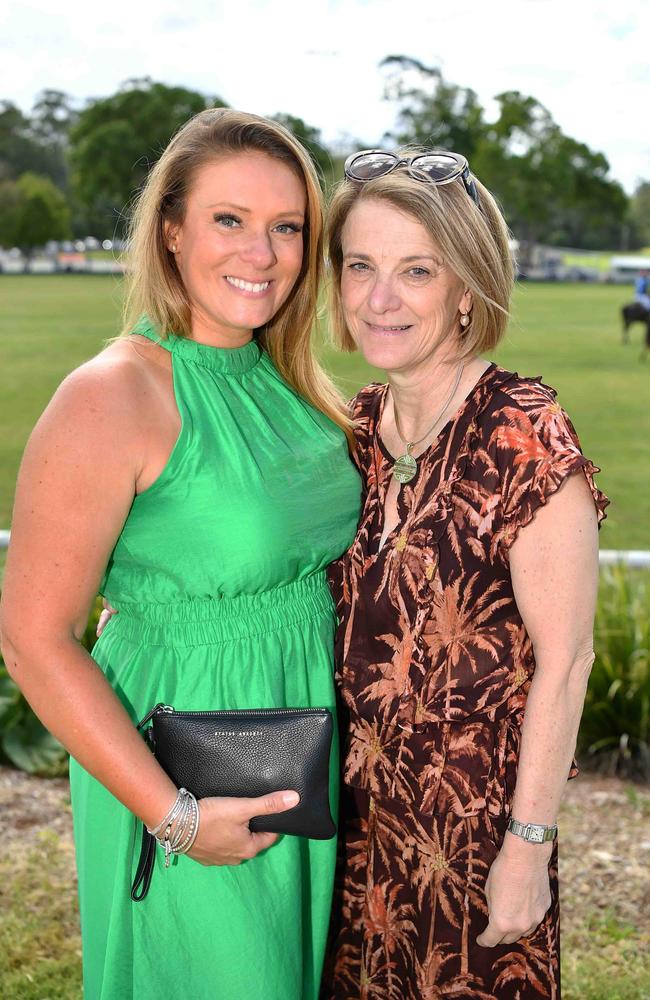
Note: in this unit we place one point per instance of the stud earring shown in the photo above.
(464, 319)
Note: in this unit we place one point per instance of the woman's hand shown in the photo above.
(517, 891)
(224, 837)
(105, 616)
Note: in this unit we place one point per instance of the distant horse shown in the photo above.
(634, 312)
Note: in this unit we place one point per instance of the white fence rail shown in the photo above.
(635, 558)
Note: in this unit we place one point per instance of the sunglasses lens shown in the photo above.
(436, 166)
(439, 167)
(366, 166)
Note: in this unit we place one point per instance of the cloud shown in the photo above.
(586, 61)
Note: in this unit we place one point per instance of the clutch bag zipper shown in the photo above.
(154, 711)
(169, 710)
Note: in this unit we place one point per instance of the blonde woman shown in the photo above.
(196, 472)
(465, 602)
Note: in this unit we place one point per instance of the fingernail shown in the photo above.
(290, 798)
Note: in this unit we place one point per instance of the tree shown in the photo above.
(431, 111)
(32, 211)
(116, 140)
(52, 118)
(592, 207)
(36, 144)
(10, 201)
(310, 138)
(640, 213)
(19, 151)
(552, 188)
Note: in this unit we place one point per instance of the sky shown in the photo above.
(587, 61)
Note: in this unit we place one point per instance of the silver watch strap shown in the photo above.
(534, 833)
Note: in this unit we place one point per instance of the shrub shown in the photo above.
(615, 729)
(25, 743)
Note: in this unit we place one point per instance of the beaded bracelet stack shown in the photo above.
(177, 832)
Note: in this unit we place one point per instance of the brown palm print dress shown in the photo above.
(434, 667)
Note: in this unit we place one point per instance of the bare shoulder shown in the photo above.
(113, 386)
(125, 365)
(136, 352)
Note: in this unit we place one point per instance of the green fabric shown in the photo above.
(218, 576)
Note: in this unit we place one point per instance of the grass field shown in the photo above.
(570, 334)
(603, 873)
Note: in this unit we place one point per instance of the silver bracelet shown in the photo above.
(169, 816)
(178, 830)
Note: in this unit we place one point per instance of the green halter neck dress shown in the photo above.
(219, 579)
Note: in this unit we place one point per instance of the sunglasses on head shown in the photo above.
(440, 166)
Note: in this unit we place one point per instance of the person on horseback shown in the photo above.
(642, 290)
(638, 311)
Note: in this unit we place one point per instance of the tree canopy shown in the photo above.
(640, 213)
(32, 211)
(23, 148)
(553, 189)
(311, 139)
(116, 139)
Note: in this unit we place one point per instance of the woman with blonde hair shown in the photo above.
(465, 602)
(196, 472)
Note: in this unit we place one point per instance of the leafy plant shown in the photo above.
(25, 743)
(615, 730)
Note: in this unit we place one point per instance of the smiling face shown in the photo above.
(400, 301)
(239, 249)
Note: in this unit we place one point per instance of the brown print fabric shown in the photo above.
(434, 666)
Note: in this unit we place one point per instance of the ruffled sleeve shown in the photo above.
(365, 408)
(535, 449)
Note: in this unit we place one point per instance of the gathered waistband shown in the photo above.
(200, 621)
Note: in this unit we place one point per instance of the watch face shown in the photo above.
(536, 834)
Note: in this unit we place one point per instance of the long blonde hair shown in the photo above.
(155, 288)
(473, 242)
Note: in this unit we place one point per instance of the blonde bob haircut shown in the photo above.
(473, 242)
(155, 288)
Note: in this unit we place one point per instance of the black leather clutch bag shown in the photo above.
(245, 754)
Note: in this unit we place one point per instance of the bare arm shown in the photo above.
(70, 508)
(554, 567)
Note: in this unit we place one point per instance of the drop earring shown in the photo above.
(464, 319)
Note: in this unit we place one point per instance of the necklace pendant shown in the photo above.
(405, 467)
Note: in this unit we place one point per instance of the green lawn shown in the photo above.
(570, 334)
(49, 324)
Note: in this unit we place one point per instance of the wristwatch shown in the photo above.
(534, 833)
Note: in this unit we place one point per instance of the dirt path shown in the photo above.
(605, 841)
(605, 852)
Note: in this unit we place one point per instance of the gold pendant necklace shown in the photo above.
(405, 467)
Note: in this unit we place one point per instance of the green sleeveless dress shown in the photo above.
(219, 579)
